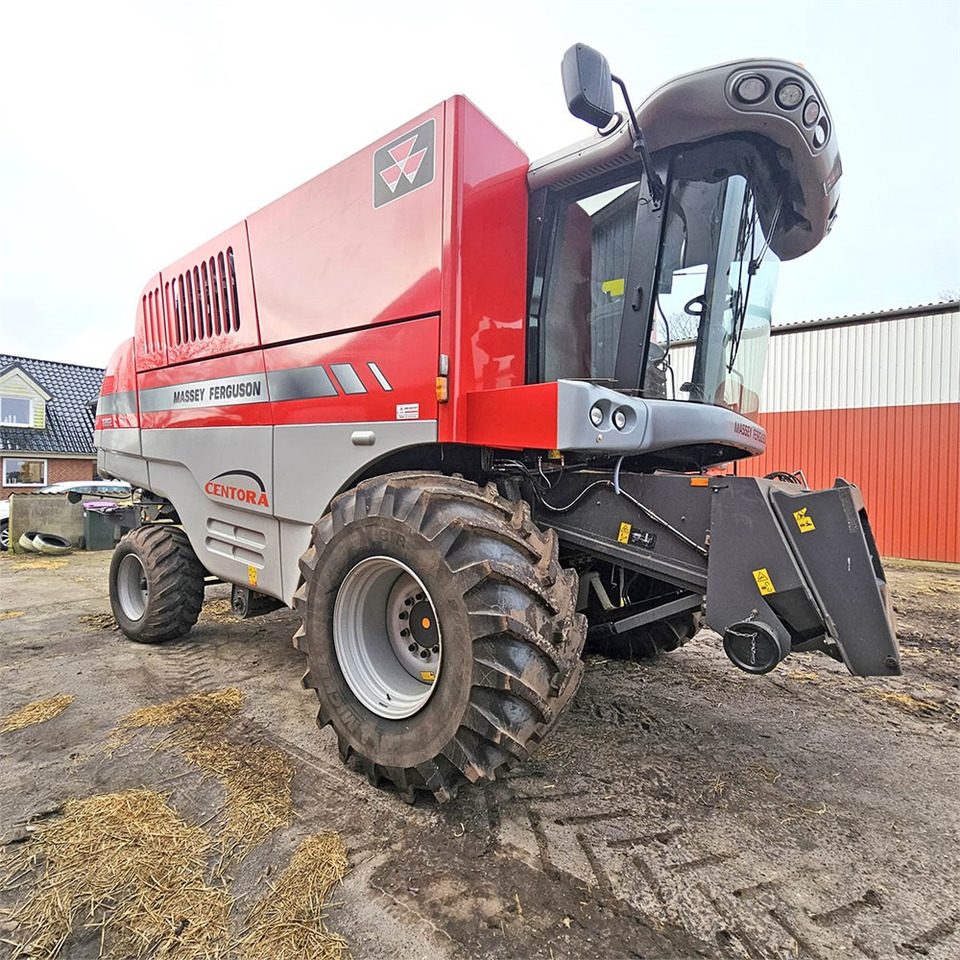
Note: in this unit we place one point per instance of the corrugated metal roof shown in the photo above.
(69, 416)
(894, 313)
(921, 310)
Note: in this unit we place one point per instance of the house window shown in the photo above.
(24, 473)
(16, 411)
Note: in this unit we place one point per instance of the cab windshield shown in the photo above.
(715, 286)
(713, 279)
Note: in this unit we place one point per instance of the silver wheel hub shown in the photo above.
(387, 637)
(132, 587)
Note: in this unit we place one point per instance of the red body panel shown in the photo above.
(519, 417)
(325, 260)
(119, 381)
(405, 354)
(197, 373)
(150, 336)
(339, 271)
(210, 306)
(484, 262)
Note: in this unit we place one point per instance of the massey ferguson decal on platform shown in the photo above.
(749, 430)
(405, 164)
(246, 487)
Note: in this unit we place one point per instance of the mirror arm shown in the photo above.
(640, 147)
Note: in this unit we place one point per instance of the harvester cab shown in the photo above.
(670, 225)
(463, 465)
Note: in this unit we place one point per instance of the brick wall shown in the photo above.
(58, 470)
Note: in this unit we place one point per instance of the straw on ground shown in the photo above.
(125, 864)
(288, 922)
(36, 712)
(256, 779)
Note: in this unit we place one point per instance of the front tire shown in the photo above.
(648, 641)
(156, 584)
(491, 654)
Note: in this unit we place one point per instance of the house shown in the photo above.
(46, 422)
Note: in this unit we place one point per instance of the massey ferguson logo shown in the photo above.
(243, 487)
(405, 164)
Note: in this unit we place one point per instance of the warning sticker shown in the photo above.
(804, 522)
(624, 535)
(764, 583)
(408, 411)
(252, 576)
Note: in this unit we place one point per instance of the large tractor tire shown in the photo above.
(440, 631)
(156, 583)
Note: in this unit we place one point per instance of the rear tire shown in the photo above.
(156, 584)
(648, 641)
(4, 535)
(481, 595)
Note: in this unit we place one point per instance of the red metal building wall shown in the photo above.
(875, 400)
(905, 459)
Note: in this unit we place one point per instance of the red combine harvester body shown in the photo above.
(427, 398)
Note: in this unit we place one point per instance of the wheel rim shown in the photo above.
(4, 537)
(387, 639)
(132, 587)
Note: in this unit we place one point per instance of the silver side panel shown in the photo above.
(118, 455)
(248, 496)
(118, 440)
(314, 461)
(219, 479)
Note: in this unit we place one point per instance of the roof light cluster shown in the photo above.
(790, 94)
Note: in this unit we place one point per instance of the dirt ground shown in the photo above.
(681, 809)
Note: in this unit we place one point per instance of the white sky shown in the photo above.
(130, 133)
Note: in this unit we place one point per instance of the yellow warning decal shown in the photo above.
(764, 583)
(614, 287)
(252, 576)
(427, 677)
(804, 522)
(624, 535)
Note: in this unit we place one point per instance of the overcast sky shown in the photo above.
(130, 133)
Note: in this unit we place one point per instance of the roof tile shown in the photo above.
(69, 418)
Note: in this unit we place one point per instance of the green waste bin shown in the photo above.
(99, 529)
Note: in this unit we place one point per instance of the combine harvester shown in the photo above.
(427, 399)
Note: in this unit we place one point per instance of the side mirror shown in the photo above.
(587, 85)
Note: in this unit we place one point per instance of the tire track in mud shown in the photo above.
(700, 895)
(711, 895)
(461, 882)
(576, 841)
